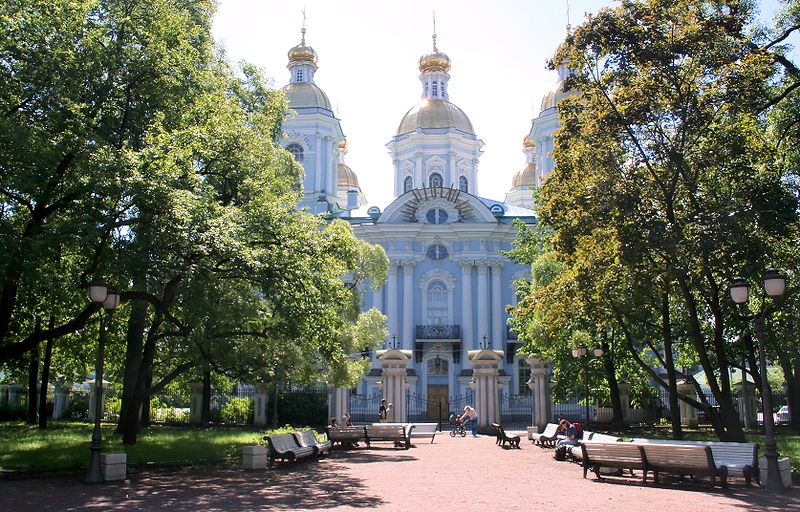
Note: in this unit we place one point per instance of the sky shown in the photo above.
(368, 57)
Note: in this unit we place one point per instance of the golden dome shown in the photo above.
(554, 95)
(302, 52)
(435, 114)
(346, 178)
(343, 144)
(306, 94)
(436, 61)
(527, 142)
(525, 177)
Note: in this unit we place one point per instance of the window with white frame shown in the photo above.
(408, 184)
(523, 376)
(437, 311)
(435, 180)
(296, 150)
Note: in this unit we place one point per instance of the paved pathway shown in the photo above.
(450, 474)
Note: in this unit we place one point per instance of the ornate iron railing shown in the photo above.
(438, 332)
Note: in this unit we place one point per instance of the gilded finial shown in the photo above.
(434, 32)
(569, 26)
(303, 30)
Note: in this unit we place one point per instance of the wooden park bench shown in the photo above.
(681, 460)
(395, 432)
(597, 455)
(285, 447)
(546, 437)
(346, 436)
(423, 430)
(503, 438)
(307, 438)
(575, 453)
(741, 459)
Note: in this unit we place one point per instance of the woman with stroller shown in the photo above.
(470, 417)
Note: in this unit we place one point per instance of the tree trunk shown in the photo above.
(613, 385)
(48, 355)
(205, 408)
(33, 380)
(791, 373)
(669, 360)
(147, 397)
(133, 361)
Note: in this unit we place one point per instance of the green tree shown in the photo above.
(665, 172)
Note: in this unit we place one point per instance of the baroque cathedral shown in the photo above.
(449, 282)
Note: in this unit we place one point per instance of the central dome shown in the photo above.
(435, 114)
(306, 94)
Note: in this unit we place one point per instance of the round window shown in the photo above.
(436, 216)
(437, 252)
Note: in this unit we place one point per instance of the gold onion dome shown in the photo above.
(343, 144)
(527, 142)
(435, 114)
(302, 52)
(436, 61)
(525, 177)
(346, 178)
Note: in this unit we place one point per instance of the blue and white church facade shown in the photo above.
(449, 282)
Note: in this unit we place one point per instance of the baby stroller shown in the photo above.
(458, 426)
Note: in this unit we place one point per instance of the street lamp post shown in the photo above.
(774, 287)
(581, 353)
(99, 293)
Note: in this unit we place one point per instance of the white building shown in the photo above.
(449, 283)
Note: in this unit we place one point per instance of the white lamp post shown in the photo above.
(99, 293)
(774, 287)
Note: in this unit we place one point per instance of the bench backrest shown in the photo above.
(612, 452)
(345, 433)
(306, 438)
(550, 430)
(386, 430)
(282, 443)
(677, 455)
(725, 453)
(604, 438)
(425, 428)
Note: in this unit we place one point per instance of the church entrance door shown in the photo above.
(437, 403)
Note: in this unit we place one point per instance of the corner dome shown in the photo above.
(429, 114)
(436, 61)
(527, 142)
(305, 95)
(346, 178)
(525, 177)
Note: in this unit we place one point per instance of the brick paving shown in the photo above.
(450, 474)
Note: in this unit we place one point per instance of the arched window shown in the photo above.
(437, 313)
(296, 150)
(408, 184)
(435, 180)
(463, 185)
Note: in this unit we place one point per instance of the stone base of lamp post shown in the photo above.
(784, 468)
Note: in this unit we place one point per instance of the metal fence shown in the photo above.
(515, 411)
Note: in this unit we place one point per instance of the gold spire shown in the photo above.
(302, 52)
(435, 61)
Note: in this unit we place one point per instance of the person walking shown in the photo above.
(470, 415)
(382, 411)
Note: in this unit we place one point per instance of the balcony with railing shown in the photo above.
(511, 335)
(439, 332)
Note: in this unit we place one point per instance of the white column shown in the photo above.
(540, 415)
(398, 179)
(467, 335)
(317, 166)
(453, 177)
(483, 302)
(408, 305)
(338, 402)
(418, 181)
(331, 186)
(391, 298)
(497, 306)
(260, 405)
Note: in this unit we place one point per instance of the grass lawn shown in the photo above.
(65, 446)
